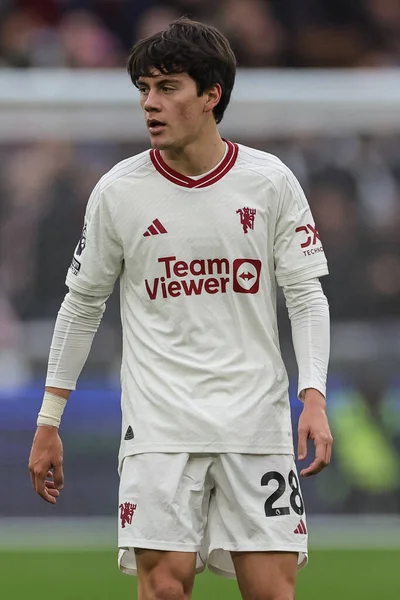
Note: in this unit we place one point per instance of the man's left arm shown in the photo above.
(309, 315)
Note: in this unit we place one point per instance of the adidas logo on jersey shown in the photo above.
(155, 228)
(205, 275)
(301, 528)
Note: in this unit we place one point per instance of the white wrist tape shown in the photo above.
(51, 410)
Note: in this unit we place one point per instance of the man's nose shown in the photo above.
(152, 102)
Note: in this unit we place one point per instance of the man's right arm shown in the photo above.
(77, 322)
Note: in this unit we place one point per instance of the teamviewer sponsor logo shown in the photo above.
(204, 276)
(246, 275)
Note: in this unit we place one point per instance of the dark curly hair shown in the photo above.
(190, 47)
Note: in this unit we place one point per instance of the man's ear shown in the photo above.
(213, 96)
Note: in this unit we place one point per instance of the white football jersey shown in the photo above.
(199, 261)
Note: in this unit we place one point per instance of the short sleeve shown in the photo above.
(98, 256)
(298, 251)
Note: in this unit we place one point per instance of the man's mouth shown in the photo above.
(155, 126)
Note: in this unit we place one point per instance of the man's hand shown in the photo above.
(313, 425)
(47, 454)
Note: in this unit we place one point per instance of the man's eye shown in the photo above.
(142, 90)
(168, 89)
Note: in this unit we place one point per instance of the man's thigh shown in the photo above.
(164, 574)
(266, 575)
(163, 504)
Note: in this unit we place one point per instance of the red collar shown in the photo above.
(215, 175)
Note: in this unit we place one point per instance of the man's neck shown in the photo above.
(197, 158)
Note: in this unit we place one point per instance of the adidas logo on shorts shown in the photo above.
(301, 528)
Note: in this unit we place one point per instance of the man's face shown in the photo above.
(173, 111)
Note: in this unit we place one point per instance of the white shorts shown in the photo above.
(211, 505)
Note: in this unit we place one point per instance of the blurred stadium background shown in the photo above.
(319, 86)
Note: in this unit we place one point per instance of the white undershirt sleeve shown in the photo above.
(77, 322)
(309, 315)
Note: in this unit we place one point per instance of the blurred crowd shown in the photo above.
(274, 33)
